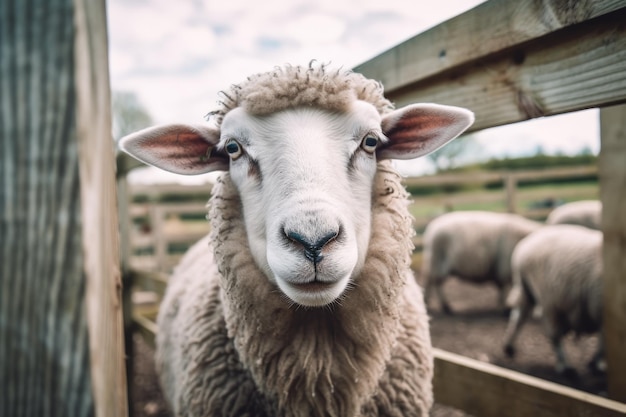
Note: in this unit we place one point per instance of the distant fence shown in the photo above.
(510, 189)
(160, 232)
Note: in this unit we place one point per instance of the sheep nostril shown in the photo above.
(312, 250)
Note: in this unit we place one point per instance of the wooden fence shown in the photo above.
(510, 61)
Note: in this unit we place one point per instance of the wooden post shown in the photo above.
(128, 278)
(59, 275)
(510, 183)
(157, 225)
(99, 210)
(613, 194)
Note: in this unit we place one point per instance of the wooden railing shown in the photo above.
(510, 61)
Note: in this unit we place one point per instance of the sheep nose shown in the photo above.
(312, 249)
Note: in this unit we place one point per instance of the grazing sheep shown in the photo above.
(559, 270)
(301, 301)
(586, 213)
(474, 246)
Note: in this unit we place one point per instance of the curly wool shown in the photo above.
(291, 86)
(240, 349)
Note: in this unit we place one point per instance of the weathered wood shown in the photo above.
(99, 210)
(486, 390)
(578, 67)
(490, 28)
(147, 328)
(157, 223)
(498, 177)
(152, 281)
(155, 190)
(613, 196)
(44, 344)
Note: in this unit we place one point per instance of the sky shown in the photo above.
(175, 56)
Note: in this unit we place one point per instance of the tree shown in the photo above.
(461, 150)
(129, 114)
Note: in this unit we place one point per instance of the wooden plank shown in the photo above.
(153, 281)
(579, 67)
(100, 224)
(171, 189)
(613, 196)
(487, 390)
(500, 176)
(142, 209)
(491, 27)
(147, 328)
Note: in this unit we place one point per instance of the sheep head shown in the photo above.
(305, 176)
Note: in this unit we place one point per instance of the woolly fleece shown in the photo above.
(474, 246)
(230, 344)
(292, 86)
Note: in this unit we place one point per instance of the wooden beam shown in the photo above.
(496, 177)
(578, 67)
(490, 28)
(613, 196)
(103, 297)
(487, 390)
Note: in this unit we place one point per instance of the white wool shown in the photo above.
(586, 213)
(474, 246)
(558, 269)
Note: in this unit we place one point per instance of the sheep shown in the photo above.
(586, 213)
(301, 301)
(558, 269)
(474, 246)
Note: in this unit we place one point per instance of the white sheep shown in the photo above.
(301, 301)
(558, 269)
(586, 213)
(474, 246)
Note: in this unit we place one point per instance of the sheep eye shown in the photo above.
(233, 149)
(369, 143)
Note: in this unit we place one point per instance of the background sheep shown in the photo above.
(301, 301)
(586, 213)
(474, 246)
(559, 269)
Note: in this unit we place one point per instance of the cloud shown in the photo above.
(177, 56)
(315, 29)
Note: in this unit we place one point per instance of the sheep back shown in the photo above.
(561, 267)
(473, 245)
(230, 344)
(586, 213)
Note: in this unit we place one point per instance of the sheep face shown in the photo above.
(305, 178)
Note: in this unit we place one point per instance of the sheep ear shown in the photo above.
(419, 129)
(178, 148)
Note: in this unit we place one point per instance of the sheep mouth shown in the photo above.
(313, 293)
(313, 286)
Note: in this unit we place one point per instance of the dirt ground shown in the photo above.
(475, 330)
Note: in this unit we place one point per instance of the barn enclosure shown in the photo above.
(62, 203)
